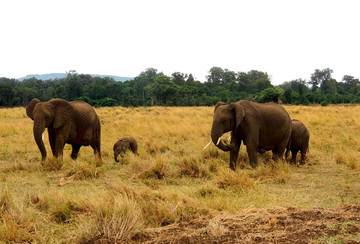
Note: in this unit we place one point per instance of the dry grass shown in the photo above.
(171, 180)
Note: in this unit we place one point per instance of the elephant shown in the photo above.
(261, 127)
(75, 123)
(299, 141)
(124, 144)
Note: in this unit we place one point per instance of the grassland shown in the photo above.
(173, 181)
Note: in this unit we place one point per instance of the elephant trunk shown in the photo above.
(39, 129)
(215, 136)
(115, 157)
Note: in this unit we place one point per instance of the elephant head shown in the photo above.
(55, 114)
(226, 118)
(120, 147)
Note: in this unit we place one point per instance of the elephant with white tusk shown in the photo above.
(266, 126)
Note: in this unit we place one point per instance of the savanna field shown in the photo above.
(174, 191)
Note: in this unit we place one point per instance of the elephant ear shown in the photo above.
(239, 114)
(30, 108)
(218, 104)
(64, 112)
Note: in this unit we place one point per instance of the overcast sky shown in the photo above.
(288, 39)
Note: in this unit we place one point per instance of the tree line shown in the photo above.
(154, 88)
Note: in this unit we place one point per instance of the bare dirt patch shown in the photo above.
(274, 225)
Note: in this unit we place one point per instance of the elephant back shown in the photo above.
(84, 113)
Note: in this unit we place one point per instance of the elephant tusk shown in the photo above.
(229, 139)
(208, 144)
(218, 142)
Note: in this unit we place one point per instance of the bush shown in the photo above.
(324, 103)
(269, 95)
(106, 102)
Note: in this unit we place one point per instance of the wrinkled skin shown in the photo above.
(299, 141)
(259, 126)
(124, 144)
(75, 123)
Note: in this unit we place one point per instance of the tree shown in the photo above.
(215, 76)
(269, 95)
(6, 95)
(328, 86)
(218, 76)
(350, 83)
(179, 78)
(163, 90)
(253, 81)
(287, 96)
(73, 87)
(319, 76)
(127, 97)
(224, 95)
(150, 74)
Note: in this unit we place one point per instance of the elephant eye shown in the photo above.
(46, 117)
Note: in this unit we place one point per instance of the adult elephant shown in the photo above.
(75, 123)
(260, 126)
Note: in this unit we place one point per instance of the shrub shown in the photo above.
(238, 181)
(114, 220)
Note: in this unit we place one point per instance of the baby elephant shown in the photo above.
(124, 144)
(299, 141)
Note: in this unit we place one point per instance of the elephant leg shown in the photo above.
(251, 150)
(252, 145)
(234, 153)
(277, 154)
(59, 146)
(52, 140)
(96, 149)
(303, 156)
(293, 154)
(133, 148)
(75, 151)
(97, 154)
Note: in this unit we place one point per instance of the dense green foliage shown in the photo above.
(154, 88)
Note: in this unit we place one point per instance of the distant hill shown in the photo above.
(53, 76)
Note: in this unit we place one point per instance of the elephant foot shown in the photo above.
(253, 164)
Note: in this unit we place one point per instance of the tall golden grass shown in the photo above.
(172, 179)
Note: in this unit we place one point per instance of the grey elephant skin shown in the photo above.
(260, 126)
(75, 123)
(299, 141)
(123, 145)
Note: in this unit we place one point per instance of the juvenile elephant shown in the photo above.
(124, 144)
(299, 141)
(260, 126)
(75, 123)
